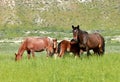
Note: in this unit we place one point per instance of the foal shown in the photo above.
(68, 46)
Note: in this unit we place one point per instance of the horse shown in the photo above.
(93, 41)
(36, 44)
(68, 46)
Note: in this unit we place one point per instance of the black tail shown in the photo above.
(103, 47)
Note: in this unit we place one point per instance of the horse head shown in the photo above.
(75, 32)
(55, 43)
(73, 41)
(17, 57)
(55, 47)
(52, 48)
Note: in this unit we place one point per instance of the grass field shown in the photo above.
(68, 69)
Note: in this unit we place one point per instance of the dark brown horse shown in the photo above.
(68, 46)
(36, 44)
(89, 41)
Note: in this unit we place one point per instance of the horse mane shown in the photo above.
(51, 40)
(22, 47)
(82, 32)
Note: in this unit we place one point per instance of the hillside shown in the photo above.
(92, 14)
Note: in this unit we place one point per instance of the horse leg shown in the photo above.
(28, 52)
(81, 51)
(61, 53)
(33, 55)
(77, 55)
(48, 53)
(95, 51)
(88, 52)
(101, 52)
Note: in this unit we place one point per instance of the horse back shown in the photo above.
(64, 45)
(37, 43)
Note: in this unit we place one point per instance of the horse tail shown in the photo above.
(103, 47)
(102, 44)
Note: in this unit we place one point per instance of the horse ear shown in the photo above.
(72, 27)
(78, 26)
(55, 39)
(15, 54)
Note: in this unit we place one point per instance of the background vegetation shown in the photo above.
(97, 14)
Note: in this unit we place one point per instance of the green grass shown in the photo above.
(67, 69)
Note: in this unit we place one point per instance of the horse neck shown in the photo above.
(22, 48)
(80, 36)
(50, 41)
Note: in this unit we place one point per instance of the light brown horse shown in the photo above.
(36, 44)
(89, 41)
(68, 46)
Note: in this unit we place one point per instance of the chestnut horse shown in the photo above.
(68, 46)
(36, 44)
(89, 41)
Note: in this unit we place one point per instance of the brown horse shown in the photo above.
(89, 41)
(36, 44)
(68, 46)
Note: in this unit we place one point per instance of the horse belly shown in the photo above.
(92, 44)
(40, 48)
(37, 47)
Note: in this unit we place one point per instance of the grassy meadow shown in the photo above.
(68, 69)
(96, 16)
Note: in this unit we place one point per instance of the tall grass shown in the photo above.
(68, 69)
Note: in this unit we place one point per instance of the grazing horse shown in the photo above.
(89, 41)
(68, 46)
(36, 44)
